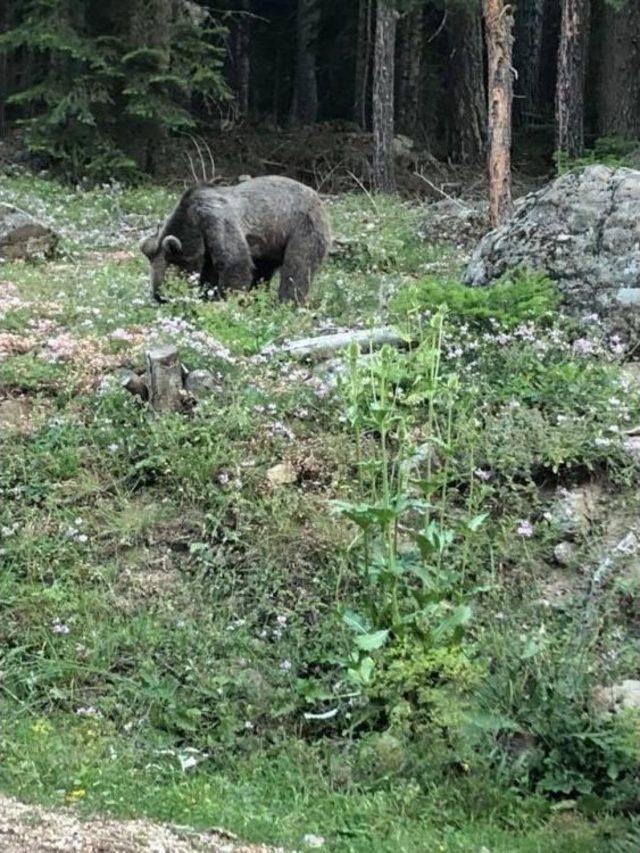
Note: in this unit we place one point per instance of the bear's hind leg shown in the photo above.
(305, 251)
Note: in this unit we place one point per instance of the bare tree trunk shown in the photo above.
(467, 93)
(150, 23)
(529, 25)
(410, 46)
(384, 179)
(499, 35)
(619, 79)
(4, 69)
(239, 43)
(304, 109)
(361, 112)
(149, 26)
(572, 59)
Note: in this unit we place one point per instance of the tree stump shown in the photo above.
(164, 380)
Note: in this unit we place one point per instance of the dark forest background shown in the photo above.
(96, 88)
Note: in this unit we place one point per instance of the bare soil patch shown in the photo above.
(33, 829)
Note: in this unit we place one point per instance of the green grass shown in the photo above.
(161, 598)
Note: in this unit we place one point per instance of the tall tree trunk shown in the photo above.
(239, 43)
(619, 82)
(304, 109)
(4, 69)
(467, 94)
(410, 46)
(361, 100)
(384, 179)
(572, 60)
(149, 25)
(529, 30)
(499, 35)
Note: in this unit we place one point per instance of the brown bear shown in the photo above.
(235, 237)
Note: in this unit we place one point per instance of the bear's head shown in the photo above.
(161, 251)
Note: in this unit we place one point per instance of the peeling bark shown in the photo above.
(499, 35)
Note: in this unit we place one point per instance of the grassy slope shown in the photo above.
(158, 595)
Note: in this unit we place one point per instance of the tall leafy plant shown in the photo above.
(410, 552)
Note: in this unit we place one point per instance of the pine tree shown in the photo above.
(364, 52)
(409, 71)
(467, 108)
(572, 58)
(499, 35)
(384, 179)
(304, 109)
(619, 70)
(91, 92)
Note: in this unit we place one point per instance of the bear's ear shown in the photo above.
(171, 245)
(149, 246)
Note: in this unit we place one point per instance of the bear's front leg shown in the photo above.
(229, 255)
(209, 284)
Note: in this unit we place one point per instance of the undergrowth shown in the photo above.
(362, 649)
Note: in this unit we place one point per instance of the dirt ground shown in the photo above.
(33, 829)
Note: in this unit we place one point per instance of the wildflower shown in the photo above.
(616, 346)
(583, 346)
(248, 725)
(58, 627)
(313, 841)
(88, 711)
(524, 529)
(281, 620)
(74, 795)
(285, 665)
(483, 475)
(120, 335)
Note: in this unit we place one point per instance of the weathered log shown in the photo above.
(316, 349)
(164, 380)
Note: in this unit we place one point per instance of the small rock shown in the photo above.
(564, 552)
(21, 236)
(618, 697)
(15, 414)
(632, 446)
(282, 474)
(200, 384)
(576, 509)
(631, 372)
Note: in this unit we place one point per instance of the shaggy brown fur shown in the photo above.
(235, 237)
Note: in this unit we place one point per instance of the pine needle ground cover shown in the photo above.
(374, 645)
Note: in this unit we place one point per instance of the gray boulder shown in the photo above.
(583, 231)
(21, 236)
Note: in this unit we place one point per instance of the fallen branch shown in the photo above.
(317, 349)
